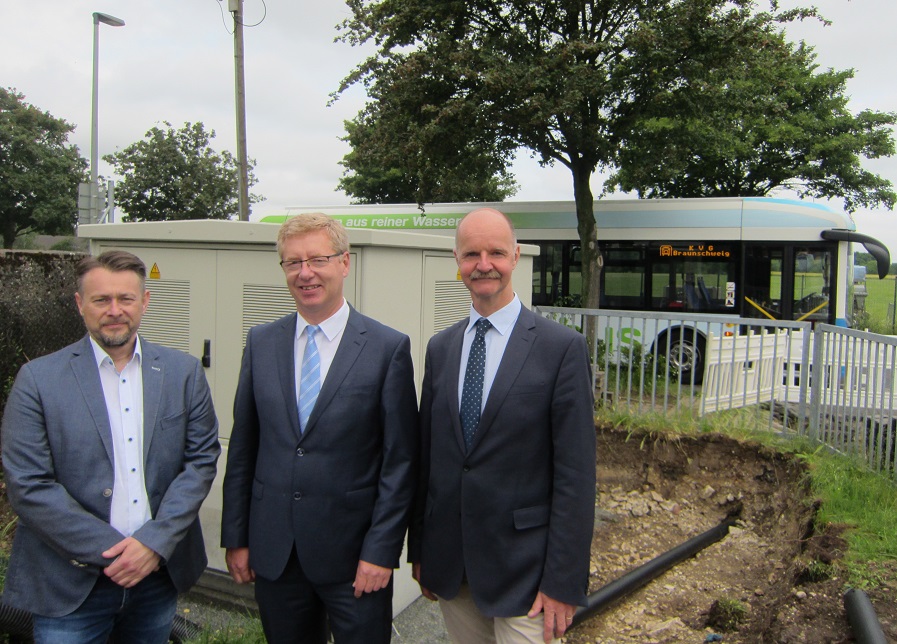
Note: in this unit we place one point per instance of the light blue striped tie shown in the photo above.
(310, 377)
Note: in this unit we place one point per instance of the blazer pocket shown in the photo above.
(363, 498)
(174, 420)
(534, 517)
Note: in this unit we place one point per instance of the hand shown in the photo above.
(415, 572)
(558, 615)
(237, 560)
(133, 561)
(370, 578)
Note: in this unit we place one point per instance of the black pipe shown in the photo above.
(15, 621)
(863, 619)
(635, 579)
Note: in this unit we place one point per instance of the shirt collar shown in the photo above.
(100, 354)
(502, 320)
(330, 327)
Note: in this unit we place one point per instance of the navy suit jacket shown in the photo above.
(57, 452)
(341, 491)
(516, 511)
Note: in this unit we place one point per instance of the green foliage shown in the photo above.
(39, 171)
(241, 629)
(37, 309)
(175, 174)
(567, 81)
(749, 113)
(726, 614)
(855, 496)
(386, 166)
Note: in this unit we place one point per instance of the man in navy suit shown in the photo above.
(110, 446)
(504, 513)
(322, 458)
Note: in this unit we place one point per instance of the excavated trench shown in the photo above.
(656, 492)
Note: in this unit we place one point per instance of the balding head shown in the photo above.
(486, 250)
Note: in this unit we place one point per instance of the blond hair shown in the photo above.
(311, 222)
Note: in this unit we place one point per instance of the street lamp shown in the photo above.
(112, 21)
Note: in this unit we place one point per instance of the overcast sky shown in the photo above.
(174, 61)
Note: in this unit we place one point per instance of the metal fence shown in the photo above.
(834, 385)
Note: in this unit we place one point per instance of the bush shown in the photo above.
(37, 309)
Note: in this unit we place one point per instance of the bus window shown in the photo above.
(623, 277)
(696, 277)
(573, 268)
(812, 282)
(788, 282)
(547, 271)
(763, 281)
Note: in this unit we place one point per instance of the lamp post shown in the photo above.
(112, 21)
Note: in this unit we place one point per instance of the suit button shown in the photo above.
(107, 492)
(300, 452)
(466, 468)
(297, 496)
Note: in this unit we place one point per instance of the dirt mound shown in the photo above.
(764, 582)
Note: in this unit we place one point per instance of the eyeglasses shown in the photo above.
(314, 263)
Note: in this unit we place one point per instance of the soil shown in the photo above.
(776, 564)
(773, 578)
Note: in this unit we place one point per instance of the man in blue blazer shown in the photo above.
(503, 518)
(110, 446)
(322, 458)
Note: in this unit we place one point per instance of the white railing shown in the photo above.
(652, 362)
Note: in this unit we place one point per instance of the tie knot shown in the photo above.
(483, 325)
(311, 330)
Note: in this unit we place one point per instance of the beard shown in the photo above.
(115, 339)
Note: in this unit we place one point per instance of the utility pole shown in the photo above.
(236, 8)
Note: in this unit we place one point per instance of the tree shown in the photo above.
(758, 119)
(555, 78)
(385, 167)
(175, 174)
(39, 171)
(405, 150)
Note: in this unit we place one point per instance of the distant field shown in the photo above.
(880, 295)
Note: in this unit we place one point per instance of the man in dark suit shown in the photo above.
(322, 458)
(110, 446)
(504, 512)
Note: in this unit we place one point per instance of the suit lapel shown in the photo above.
(285, 352)
(452, 372)
(153, 373)
(87, 376)
(347, 353)
(516, 352)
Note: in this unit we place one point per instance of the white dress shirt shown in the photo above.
(124, 404)
(496, 339)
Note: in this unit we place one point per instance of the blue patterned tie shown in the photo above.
(472, 395)
(310, 377)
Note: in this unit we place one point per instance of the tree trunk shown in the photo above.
(592, 260)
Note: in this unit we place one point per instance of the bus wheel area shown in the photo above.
(685, 350)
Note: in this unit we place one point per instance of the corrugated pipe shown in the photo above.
(15, 621)
(632, 581)
(863, 618)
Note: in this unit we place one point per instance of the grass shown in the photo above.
(851, 494)
(242, 629)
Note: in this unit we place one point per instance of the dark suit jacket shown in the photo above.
(516, 513)
(57, 451)
(341, 491)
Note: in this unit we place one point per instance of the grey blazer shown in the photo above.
(514, 513)
(341, 491)
(57, 453)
